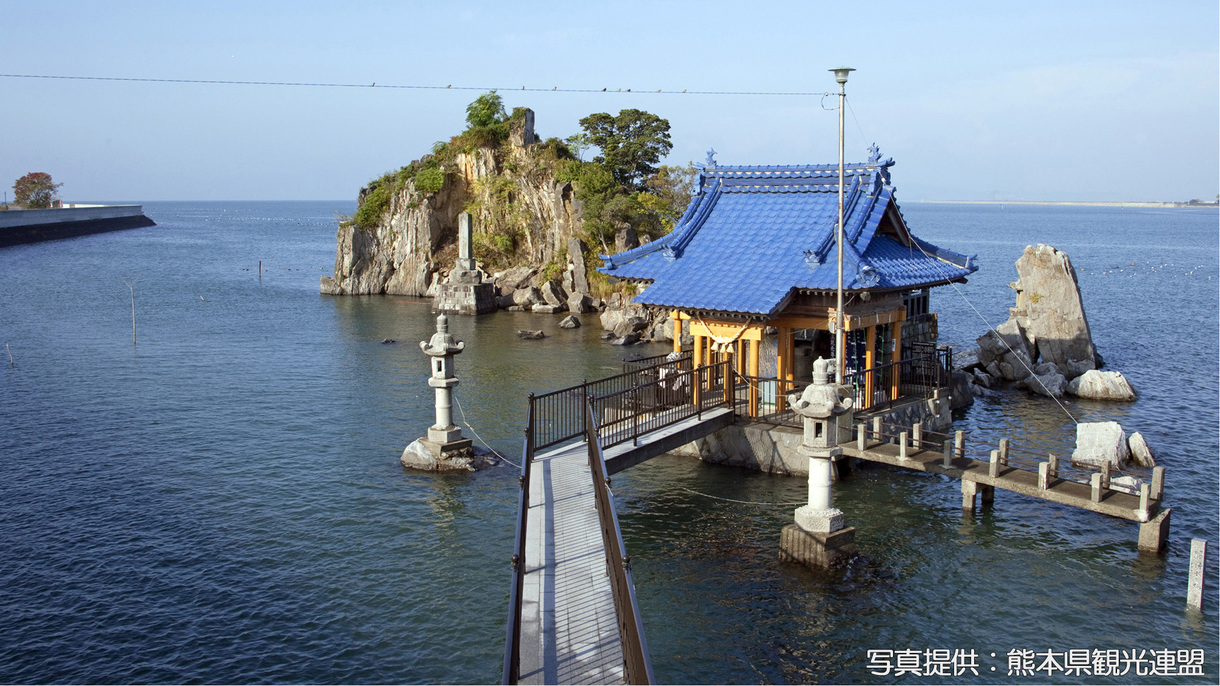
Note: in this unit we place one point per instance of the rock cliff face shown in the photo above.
(511, 194)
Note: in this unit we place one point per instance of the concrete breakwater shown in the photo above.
(31, 226)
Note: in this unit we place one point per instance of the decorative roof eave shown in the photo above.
(722, 314)
(671, 244)
(885, 289)
(947, 256)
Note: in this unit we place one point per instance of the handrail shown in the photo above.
(512, 647)
(632, 363)
(883, 384)
(662, 402)
(560, 416)
(637, 666)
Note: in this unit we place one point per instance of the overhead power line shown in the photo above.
(307, 84)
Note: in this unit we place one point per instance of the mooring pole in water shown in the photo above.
(260, 269)
(1198, 561)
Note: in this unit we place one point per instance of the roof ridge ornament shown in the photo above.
(874, 154)
(710, 163)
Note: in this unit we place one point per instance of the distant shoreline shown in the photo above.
(1076, 203)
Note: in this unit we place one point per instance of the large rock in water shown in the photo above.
(1050, 310)
(1101, 442)
(1006, 352)
(1099, 385)
(1141, 452)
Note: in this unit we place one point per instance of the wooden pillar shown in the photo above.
(783, 366)
(897, 381)
(870, 361)
(677, 317)
(754, 355)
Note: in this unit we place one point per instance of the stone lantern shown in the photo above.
(819, 538)
(444, 448)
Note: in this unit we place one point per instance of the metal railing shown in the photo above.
(631, 364)
(766, 399)
(512, 645)
(637, 667)
(916, 376)
(670, 397)
(670, 388)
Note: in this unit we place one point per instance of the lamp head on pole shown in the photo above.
(841, 74)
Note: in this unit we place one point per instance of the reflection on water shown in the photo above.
(224, 502)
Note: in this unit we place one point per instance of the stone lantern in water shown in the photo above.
(819, 538)
(444, 448)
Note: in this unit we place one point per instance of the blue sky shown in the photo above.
(974, 101)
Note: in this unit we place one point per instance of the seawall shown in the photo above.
(32, 226)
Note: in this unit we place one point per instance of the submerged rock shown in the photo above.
(530, 335)
(1051, 384)
(419, 455)
(569, 322)
(1099, 385)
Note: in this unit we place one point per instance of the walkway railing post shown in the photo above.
(635, 416)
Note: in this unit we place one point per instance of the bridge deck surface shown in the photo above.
(569, 629)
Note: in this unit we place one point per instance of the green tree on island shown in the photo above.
(36, 191)
(631, 143)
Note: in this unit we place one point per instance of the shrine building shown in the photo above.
(756, 249)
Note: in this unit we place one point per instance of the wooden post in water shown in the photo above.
(948, 460)
(993, 469)
(877, 430)
(917, 436)
(902, 445)
(959, 443)
(1044, 475)
(1004, 451)
(861, 436)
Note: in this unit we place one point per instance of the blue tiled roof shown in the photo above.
(753, 235)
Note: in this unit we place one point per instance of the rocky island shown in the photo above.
(540, 215)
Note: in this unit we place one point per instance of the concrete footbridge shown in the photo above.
(573, 616)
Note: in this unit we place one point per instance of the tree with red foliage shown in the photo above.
(36, 191)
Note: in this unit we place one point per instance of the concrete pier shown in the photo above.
(981, 478)
(31, 226)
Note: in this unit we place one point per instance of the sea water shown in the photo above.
(221, 500)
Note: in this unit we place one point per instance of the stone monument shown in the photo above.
(819, 538)
(465, 292)
(444, 448)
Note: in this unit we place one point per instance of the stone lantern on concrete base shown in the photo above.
(444, 448)
(819, 538)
